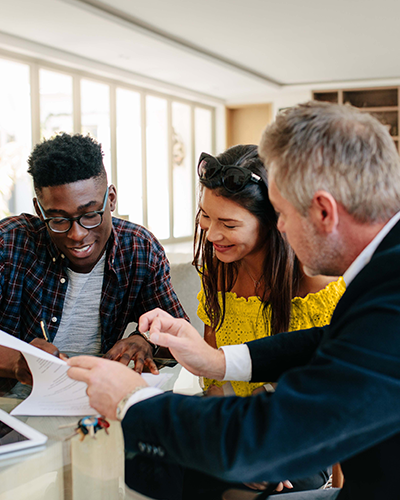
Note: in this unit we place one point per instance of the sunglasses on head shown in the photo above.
(233, 178)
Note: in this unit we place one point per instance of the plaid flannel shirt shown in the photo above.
(33, 279)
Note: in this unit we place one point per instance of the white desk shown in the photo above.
(65, 469)
(71, 469)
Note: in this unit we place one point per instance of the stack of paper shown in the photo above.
(53, 392)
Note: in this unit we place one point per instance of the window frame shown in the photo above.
(77, 75)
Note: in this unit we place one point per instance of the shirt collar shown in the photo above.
(52, 249)
(365, 256)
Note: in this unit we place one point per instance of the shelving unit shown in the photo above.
(382, 102)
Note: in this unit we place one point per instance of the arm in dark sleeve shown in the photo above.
(273, 356)
(345, 400)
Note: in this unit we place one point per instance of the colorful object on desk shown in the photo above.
(87, 425)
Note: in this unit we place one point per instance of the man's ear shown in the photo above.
(37, 210)
(324, 211)
(112, 196)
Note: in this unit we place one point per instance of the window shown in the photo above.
(56, 106)
(129, 155)
(15, 138)
(95, 116)
(157, 166)
(151, 141)
(182, 171)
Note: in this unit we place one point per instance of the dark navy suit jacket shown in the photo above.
(338, 400)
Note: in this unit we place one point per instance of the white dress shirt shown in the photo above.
(238, 361)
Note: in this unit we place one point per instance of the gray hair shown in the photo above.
(338, 149)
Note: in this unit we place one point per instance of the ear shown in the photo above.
(324, 212)
(112, 197)
(37, 210)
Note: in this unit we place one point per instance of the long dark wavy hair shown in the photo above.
(281, 272)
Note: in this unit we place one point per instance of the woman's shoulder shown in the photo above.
(316, 309)
(329, 295)
(234, 306)
(232, 298)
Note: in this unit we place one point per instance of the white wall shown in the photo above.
(286, 99)
(294, 94)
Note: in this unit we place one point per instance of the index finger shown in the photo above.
(46, 346)
(147, 318)
(81, 374)
(168, 324)
(114, 353)
(87, 362)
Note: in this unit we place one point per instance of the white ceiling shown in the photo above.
(228, 49)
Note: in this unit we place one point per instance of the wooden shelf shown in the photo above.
(381, 102)
(327, 97)
(371, 98)
(382, 109)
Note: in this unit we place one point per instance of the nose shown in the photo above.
(77, 232)
(213, 233)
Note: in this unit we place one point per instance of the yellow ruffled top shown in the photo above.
(245, 320)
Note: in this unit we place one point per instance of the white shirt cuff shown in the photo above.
(145, 393)
(238, 363)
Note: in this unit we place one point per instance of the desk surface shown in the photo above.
(65, 469)
(71, 469)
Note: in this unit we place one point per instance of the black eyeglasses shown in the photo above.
(90, 220)
(233, 178)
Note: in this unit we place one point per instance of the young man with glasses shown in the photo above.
(81, 273)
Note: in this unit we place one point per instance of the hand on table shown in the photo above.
(184, 342)
(134, 348)
(108, 382)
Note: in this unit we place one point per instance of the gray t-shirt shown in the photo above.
(80, 327)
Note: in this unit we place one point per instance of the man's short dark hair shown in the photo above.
(64, 159)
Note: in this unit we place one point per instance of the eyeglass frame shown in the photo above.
(249, 175)
(71, 220)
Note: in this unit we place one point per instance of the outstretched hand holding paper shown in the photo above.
(53, 392)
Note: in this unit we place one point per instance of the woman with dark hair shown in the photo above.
(252, 284)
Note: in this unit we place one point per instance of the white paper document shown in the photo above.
(53, 392)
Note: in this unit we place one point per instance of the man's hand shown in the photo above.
(136, 348)
(22, 371)
(184, 343)
(263, 486)
(108, 382)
